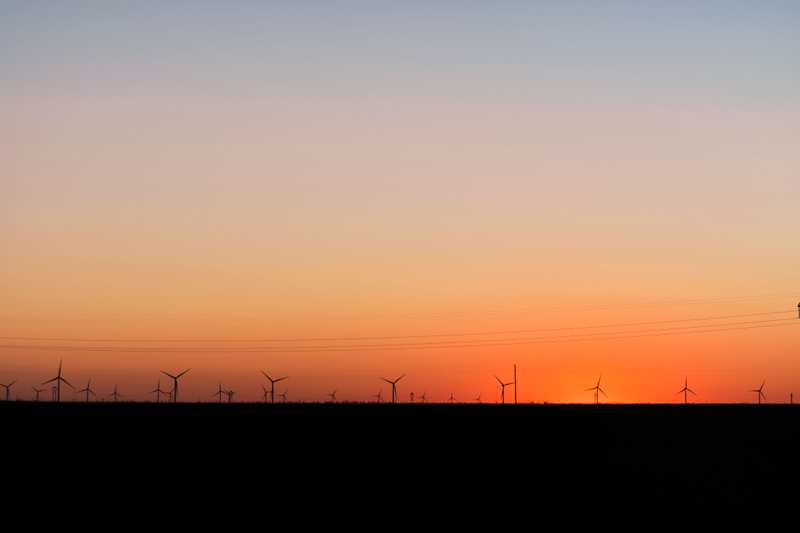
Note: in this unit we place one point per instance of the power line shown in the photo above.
(390, 337)
(711, 328)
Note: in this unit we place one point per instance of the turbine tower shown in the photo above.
(597, 390)
(686, 390)
(424, 397)
(38, 392)
(760, 392)
(230, 394)
(452, 398)
(158, 392)
(515, 384)
(220, 392)
(394, 386)
(378, 397)
(8, 389)
(283, 395)
(175, 378)
(59, 379)
(332, 396)
(272, 383)
(503, 389)
(478, 399)
(115, 396)
(88, 390)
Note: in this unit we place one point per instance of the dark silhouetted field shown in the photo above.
(636, 453)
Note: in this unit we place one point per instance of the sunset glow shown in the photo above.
(344, 194)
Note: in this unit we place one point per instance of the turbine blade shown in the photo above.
(281, 379)
(50, 380)
(67, 382)
(168, 374)
(604, 392)
(266, 375)
(401, 377)
(182, 373)
(693, 392)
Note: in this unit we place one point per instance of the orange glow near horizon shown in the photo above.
(552, 366)
(284, 170)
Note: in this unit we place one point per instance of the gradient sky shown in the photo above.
(195, 170)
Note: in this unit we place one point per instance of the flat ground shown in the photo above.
(693, 454)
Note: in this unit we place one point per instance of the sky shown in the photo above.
(340, 191)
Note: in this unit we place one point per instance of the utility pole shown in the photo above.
(515, 384)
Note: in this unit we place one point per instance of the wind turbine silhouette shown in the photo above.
(8, 389)
(378, 397)
(760, 392)
(175, 378)
(597, 390)
(58, 380)
(272, 383)
(38, 392)
(423, 398)
(88, 390)
(230, 394)
(503, 389)
(115, 396)
(452, 398)
(478, 399)
(394, 386)
(411, 397)
(332, 396)
(686, 390)
(158, 392)
(219, 394)
(283, 395)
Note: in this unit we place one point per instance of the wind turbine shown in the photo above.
(175, 378)
(220, 392)
(332, 396)
(158, 392)
(88, 390)
(423, 398)
(272, 383)
(478, 399)
(38, 392)
(394, 386)
(503, 389)
(58, 380)
(115, 396)
(266, 393)
(452, 398)
(283, 396)
(597, 390)
(760, 392)
(686, 390)
(230, 394)
(8, 389)
(378, 397)
(411, 396)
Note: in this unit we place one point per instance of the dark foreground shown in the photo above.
(692, 454)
